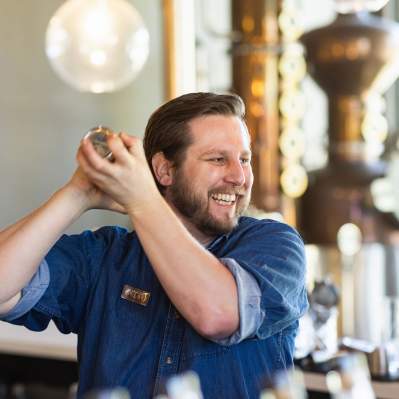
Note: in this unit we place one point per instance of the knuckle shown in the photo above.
(99, 165)
(117, 173)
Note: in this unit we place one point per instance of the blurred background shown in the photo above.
(319, 82)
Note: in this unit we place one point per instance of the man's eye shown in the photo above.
(245, 161)
(217, 160)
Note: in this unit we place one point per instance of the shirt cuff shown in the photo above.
(249, 299)
(30, 294)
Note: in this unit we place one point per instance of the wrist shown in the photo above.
(150, 206)
(77, 199)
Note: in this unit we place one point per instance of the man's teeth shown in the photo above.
(224, 198)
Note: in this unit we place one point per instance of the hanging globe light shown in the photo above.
(97, 45)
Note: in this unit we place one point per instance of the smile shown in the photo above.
(224, 199)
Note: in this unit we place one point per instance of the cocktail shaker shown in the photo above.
(98, 136)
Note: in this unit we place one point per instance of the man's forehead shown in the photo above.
(213, 128)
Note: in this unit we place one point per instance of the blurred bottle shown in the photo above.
(3, 390)
(114, 393)
(286, 385)
(73, 390)
(18, 391)
(384, 360)
(317, 335)
(184, 386)
(351, 379)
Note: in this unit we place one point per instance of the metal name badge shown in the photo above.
(135, 295)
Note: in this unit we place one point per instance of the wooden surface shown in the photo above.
(46, 344)
(383, 390)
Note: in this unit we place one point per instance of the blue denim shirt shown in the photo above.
(124, 343)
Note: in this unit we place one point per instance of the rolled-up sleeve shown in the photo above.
(249, 301)
(30, 294)
(267, 260)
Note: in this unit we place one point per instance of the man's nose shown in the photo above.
(235, 173)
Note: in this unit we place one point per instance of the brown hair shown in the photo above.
(167, 129)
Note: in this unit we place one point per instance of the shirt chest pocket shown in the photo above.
(141, 312)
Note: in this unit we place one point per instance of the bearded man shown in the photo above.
(195, 286)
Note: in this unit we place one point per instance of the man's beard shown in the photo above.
(195, 207)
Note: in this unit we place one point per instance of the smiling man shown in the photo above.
(211, 199)
(196, 286)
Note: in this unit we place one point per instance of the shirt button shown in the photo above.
(169, 360)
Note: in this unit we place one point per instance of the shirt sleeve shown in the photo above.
(73, 262)
(30, 294)
(249, 301)
(272, 253)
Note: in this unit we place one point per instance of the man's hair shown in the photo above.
(167, 129)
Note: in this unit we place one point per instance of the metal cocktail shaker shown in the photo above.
(98, 136)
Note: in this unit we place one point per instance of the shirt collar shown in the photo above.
(221, 238)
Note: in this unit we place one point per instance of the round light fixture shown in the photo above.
(97, 45)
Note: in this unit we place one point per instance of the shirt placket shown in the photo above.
(171, 349)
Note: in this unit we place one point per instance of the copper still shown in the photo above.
(255, 79)
(353, 58)
(348, 59)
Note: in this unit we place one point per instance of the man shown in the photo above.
(194, 286)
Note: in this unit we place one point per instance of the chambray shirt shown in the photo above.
(123, 343)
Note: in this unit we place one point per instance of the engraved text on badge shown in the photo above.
(135, 295)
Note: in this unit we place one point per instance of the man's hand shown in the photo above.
(92, 196)
(127, 180)
(205, 292)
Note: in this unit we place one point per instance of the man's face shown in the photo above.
(212, 187)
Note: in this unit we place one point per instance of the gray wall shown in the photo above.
(42, 119)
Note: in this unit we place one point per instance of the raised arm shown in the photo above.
(202, 289)
(24, 244)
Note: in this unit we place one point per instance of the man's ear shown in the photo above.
(163, 169)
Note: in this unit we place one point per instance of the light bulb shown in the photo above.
(350, 6)
(349, 239)
(97, 45)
